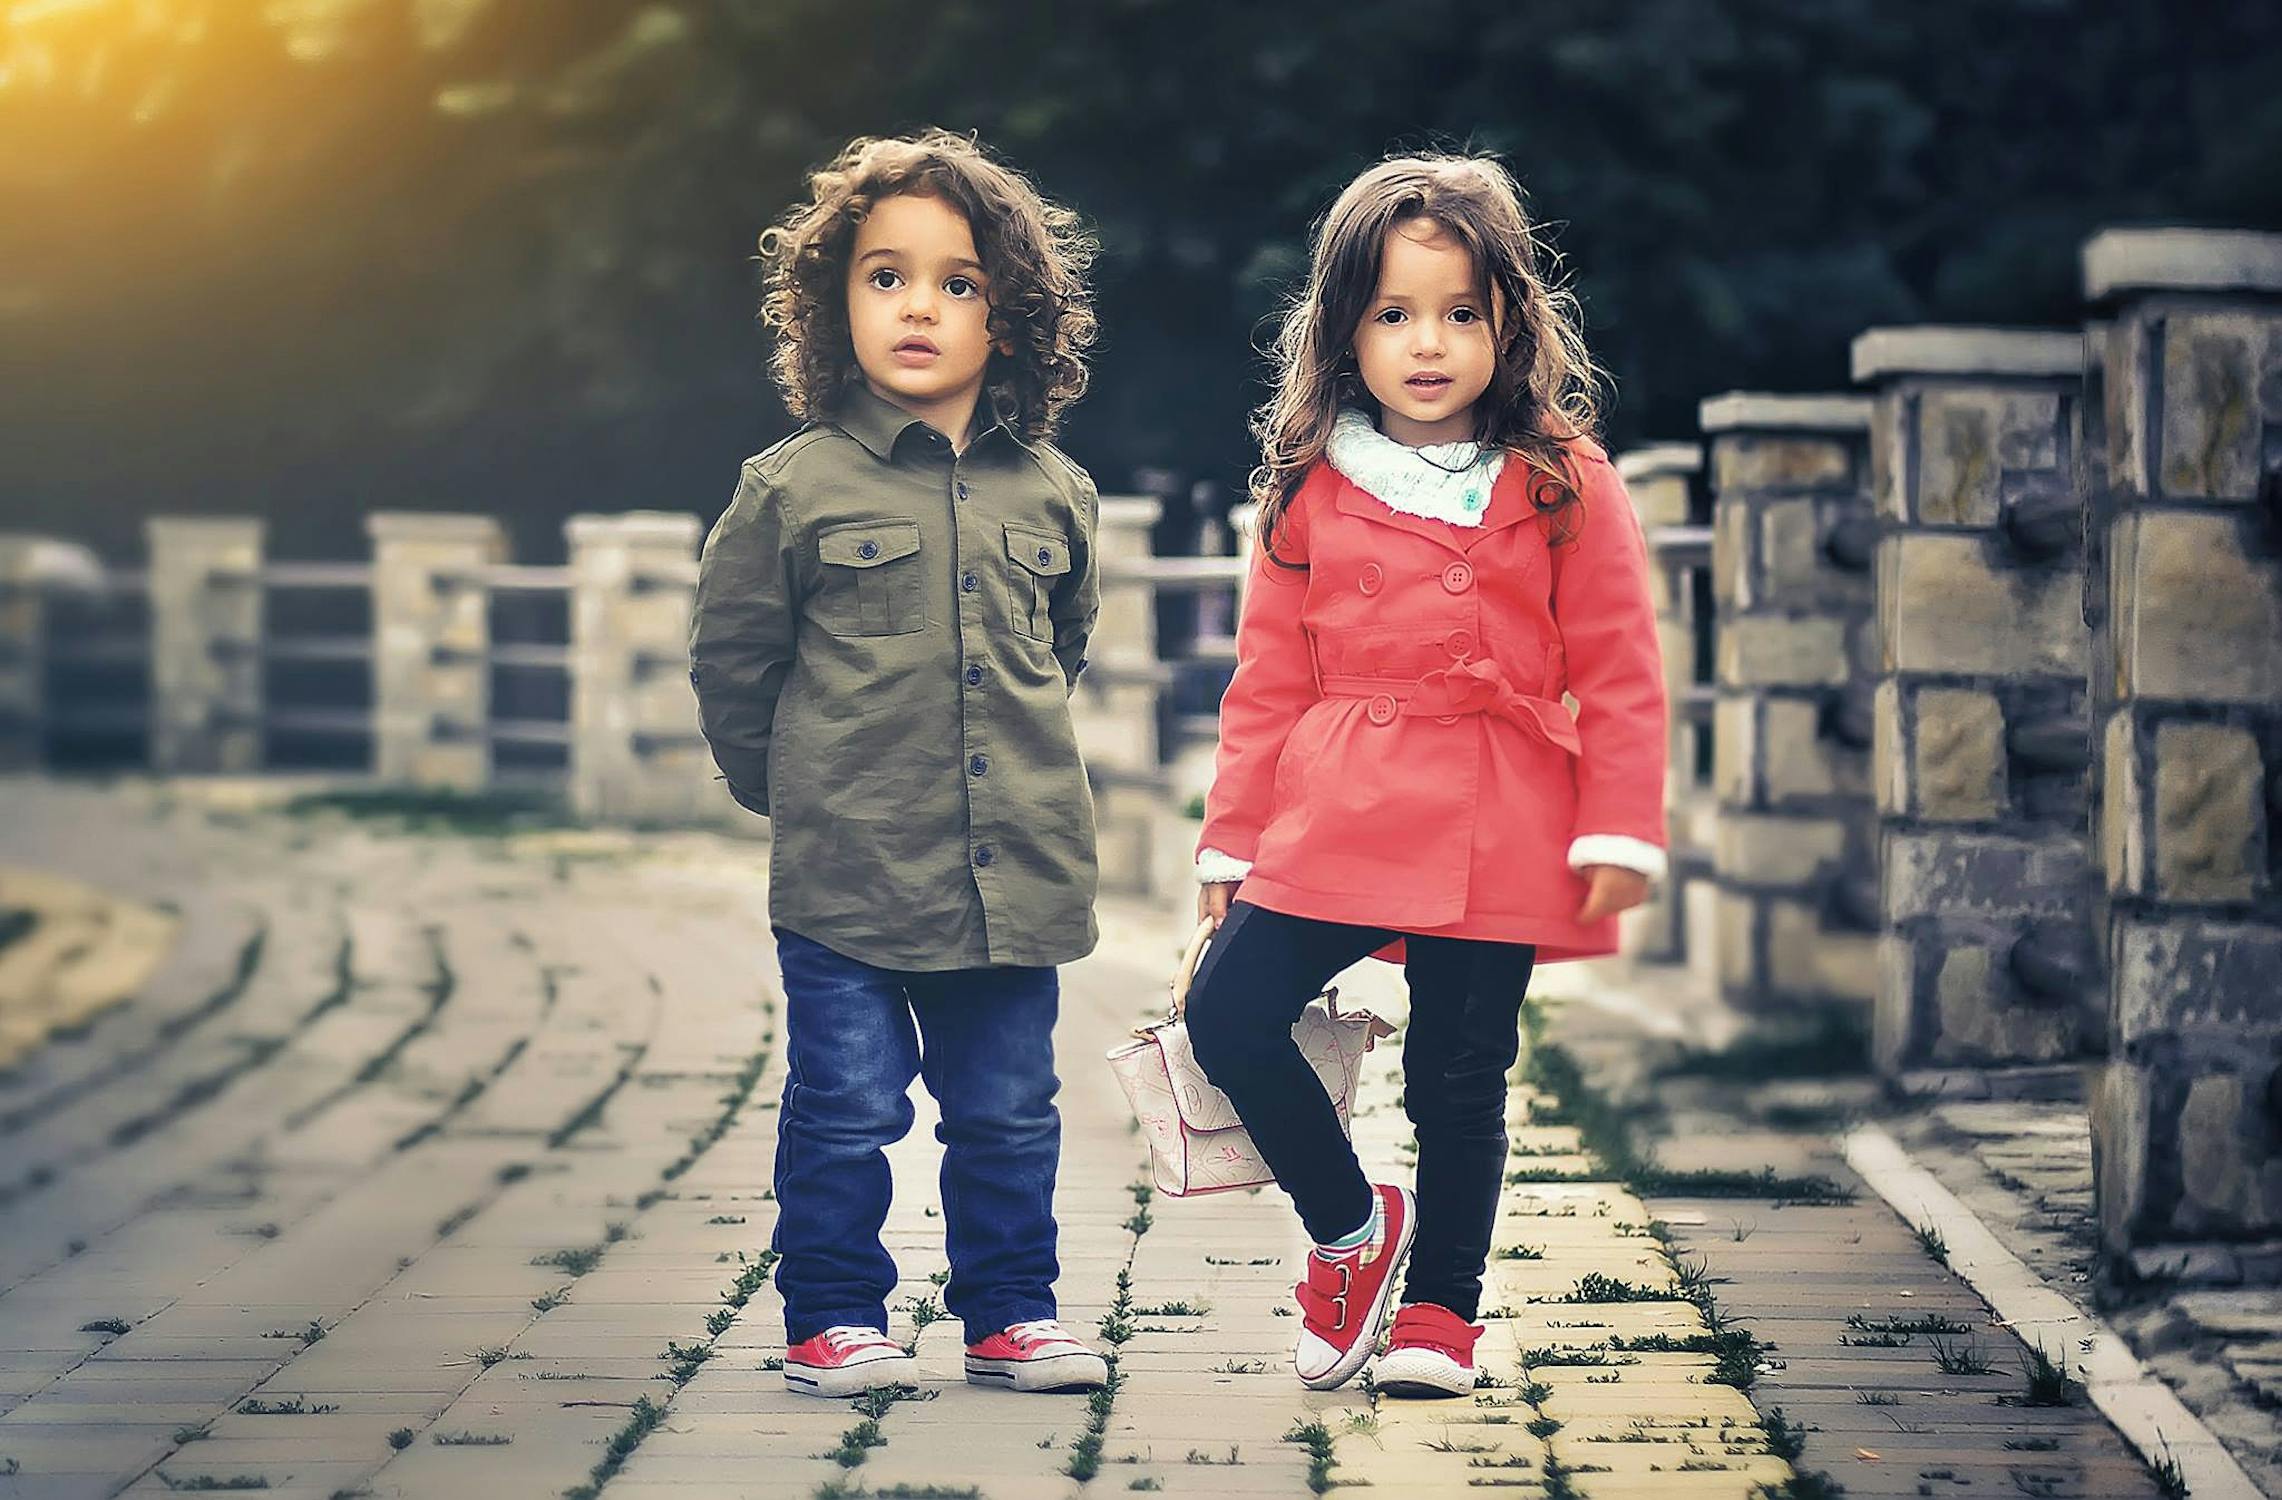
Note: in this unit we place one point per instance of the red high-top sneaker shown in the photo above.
(846, 1362)
(1344, 1296)
(1430, 1353)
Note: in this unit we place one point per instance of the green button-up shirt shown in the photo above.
(886, 638)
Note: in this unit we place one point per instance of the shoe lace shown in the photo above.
(1039, 1331)
(841, 1340)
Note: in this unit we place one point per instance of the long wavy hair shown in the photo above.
(1036, 254)
(1545, 390)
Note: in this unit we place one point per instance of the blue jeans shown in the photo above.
(855, 1038)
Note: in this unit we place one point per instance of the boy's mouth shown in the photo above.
(915, 350)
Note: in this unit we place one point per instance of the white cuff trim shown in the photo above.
(1216, 868)
(1620, 850)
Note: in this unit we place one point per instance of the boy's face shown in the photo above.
(919, 309)
(1425, 347)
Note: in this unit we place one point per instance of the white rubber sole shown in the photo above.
(1374, 1318)
(1420, 1373)
(1059, 1372)
(851, 1380)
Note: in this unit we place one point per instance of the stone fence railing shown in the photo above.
(1995, 655)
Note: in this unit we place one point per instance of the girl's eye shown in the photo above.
(1390, 316)
(1465, 315)
(884, 280)
(961, 287)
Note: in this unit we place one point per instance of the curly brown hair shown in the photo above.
(1545, 391)
(1035, 253)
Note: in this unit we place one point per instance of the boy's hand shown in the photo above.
(1212, 900)
(1611, 890)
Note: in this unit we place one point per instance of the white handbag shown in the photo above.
(1197, 1144)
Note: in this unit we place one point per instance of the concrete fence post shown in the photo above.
(1115, 706)
(1794, 844)
(431, 647)
(2186, 610)
(23, 655)
(636, 750)
(1982, 738)
(206, 643)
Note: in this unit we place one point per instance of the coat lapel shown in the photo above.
(1353, 500)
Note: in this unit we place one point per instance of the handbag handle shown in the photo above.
(1193, 955)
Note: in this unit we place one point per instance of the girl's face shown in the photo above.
(1426, 346)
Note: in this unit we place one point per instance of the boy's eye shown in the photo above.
(961, 286)
(884, 280)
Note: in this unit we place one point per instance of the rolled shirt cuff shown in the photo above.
(1620, 850)
(1216, 868)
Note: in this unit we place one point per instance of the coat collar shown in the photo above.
(1509, 505)
(879, 424)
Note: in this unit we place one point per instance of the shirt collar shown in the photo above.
(879, 424)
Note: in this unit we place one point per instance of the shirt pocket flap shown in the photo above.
(867, 544)
(1045, 553)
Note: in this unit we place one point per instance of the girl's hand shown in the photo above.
(1212, 900)
(1612, 890)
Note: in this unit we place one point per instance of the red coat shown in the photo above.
(1394, 751)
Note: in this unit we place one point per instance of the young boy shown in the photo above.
(891, 616)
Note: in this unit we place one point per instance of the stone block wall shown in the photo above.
(23, 655)
(1794, 845)
(2185, 600)
(1666, 483)
(431, 645)
(1982, 737)
(206, 643)
(636, 751)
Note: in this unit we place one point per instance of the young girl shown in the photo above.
(1443, 553)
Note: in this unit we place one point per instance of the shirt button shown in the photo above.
(969, 582)
(979, 765)
(1461, 644)
(1458, 578)
(1045, 556)
(974, 677)
(1382, 709)
(1371, 579)
(962, 489)
(984, 856)
(868, 550)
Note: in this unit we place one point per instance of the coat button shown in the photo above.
(974, 677)
(1461, 644)
(1458, 577)
(1382, 709)
(868, 551)
(1371, 579)
(969, 582)
(979, 765)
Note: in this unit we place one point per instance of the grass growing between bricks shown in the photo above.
(1116, 1329)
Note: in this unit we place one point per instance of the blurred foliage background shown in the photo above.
(305, 257)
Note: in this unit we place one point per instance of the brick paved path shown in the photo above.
(436, 1165)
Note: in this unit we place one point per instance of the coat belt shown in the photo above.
(1468, 687)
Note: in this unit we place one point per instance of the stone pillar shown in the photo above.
(206, 643)
(1794, 847)
(1981, 730)
(23, 655)
(636, 751)
(431, 647)
(1666, 485)
(1116, 703)
(2187, 705)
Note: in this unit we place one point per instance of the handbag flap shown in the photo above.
(1333, 1046)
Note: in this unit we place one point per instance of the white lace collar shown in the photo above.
(1442, 481)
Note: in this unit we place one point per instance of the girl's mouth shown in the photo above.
(1428, 385)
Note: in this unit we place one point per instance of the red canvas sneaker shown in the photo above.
(1430, 1353)
(1344, 1297)
(1039, 1355)
(847, 1362)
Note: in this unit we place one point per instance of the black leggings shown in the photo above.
(1464, 1032)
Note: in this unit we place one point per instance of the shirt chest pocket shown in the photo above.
(1036, 559)
(871, 579)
